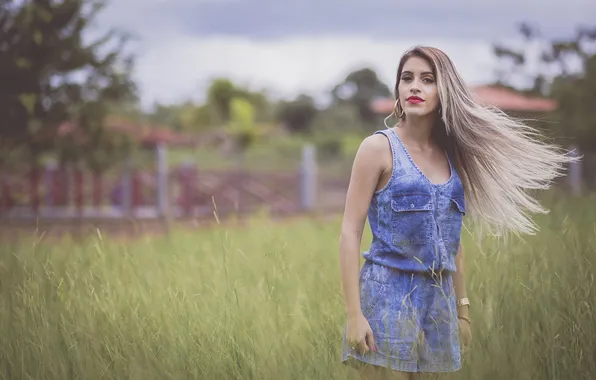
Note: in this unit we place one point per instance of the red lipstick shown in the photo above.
(415, 100)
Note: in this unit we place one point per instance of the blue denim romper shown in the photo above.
(406, 287)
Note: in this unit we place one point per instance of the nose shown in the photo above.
(414, 87)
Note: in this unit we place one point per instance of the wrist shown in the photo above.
(353, 314)
(463, 311)
(464, 318)
(462, 306)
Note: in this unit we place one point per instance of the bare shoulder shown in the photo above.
(374, 151)
(369, 164)
(374, 145)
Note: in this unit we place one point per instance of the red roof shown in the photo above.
(496, 96)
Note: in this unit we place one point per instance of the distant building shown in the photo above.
(507, 100)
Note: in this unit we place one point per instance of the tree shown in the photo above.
(242, 126)
(358, 89)
(220, 95)
(41, 55)
(573, 90)
(299, 114)
(576, 113)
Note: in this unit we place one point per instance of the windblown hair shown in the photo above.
(499, 159)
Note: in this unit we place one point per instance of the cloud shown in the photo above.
(182, 68)
(310, 45)
(386, 19)
(381, 18)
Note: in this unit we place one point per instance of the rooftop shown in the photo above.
(489, 95)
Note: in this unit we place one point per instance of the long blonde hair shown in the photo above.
(498, 158)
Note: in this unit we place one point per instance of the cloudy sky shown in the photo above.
(309, 45)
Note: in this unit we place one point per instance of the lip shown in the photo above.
(415, 100)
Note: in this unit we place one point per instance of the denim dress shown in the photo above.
(406, 287)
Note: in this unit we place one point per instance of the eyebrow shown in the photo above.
(422, 73)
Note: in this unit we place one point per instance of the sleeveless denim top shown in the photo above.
(415, 224)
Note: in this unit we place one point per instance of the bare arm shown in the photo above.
(366, 171)
(459, 282)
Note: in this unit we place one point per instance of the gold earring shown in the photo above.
(395, 110)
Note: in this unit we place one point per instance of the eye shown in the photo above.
(406, 78)
(428, 80)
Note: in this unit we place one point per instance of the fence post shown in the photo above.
(308, 178)
(162, 180)
(127, 188)
(5, 201)
(78, 180)
(187, 184)
(34, 189)
(50, 172)
(97, 192)
(575, 172)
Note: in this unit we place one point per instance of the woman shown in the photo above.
(407, 308)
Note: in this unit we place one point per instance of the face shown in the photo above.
(417, 89)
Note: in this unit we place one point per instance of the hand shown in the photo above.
(359, 334)
(465, 334)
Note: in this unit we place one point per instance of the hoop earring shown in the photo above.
(395, 110)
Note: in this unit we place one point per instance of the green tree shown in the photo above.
(220, 94)
(298, 115)
(242, 126)
(184, 117)
(219, 97)
(359, 88)
(574, 90)
(50, 76)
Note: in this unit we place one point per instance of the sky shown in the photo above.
(308, 46)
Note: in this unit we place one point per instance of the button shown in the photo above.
(412, 205)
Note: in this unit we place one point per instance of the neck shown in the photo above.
(417, 131)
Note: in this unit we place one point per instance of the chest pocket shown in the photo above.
(412, 219)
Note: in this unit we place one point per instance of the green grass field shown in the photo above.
(264, 302)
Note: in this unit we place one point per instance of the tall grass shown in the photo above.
(265, 302)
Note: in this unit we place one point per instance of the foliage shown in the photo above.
(576, 113)
(574, 90)
(359, 89)
(298, 115)
(185, 117)
(242, 123)
(42, 53)
(220, 95)
(222, 91)
(339, 119)
(264, 301)
(191, 117)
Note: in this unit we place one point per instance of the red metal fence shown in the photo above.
(70, 193)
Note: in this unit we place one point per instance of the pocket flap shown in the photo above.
(460, 203)
(412, 202)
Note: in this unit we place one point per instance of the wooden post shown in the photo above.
(308, 178)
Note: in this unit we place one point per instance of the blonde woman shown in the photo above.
(407, 307)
